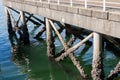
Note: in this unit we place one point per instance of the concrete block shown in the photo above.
(31, 9)
(45, 12)
(85, 12)
(100, 14)
(39, 4)
(13, 0)
(69, 18)
(86, 22)
(53, 6)
(19, 1)
(55, 15)
(115, 29)
(45, 5)
(16, 5)
(114, 16)
(97, 24)
(5, 2)
(33, 3)
(63, 8)
(74, 10)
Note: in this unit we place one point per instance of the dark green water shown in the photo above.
(32, 63)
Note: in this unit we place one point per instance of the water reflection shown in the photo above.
(35, 63)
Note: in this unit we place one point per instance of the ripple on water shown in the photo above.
(8, 70)
(38, 63)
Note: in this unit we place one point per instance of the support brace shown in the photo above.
(70, 54)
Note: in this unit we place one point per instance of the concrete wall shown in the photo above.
(95, 20)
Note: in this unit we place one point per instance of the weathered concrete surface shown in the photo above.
(104, 22)
(114, 16)
(85, 12)
(100, 14)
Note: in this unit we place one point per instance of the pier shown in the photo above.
(100, 17)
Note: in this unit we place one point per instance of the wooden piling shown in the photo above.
(76, 62)
(24, 29)
(12, 35)
(70, 42)
(15, 26)
(114, 73)
(9, 24)
(49, 40)
(78, 66)
(72, 49)
(58, 34)
(70, 54)
(97, 64)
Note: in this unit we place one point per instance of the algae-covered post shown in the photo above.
(26, 40)
(11, 32)
(97, 64)
(49, 40)
(70, 53)
(9, 23)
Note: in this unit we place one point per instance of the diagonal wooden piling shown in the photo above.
(70, 42)
(114, 73)
(70, 54)
(58, 34)
(11, 32)
(72, 49)
(9, 24)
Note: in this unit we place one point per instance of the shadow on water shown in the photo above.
(37, 66)
(110, 47)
